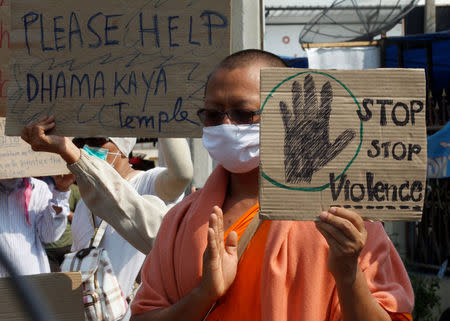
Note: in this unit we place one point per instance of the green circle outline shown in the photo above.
(318, 188)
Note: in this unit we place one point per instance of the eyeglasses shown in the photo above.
(213, 117)
(90, 141)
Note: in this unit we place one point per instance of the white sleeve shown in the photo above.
(145, 182)
(172, 182)
(82, 227)
(137, 218)
(49, 225)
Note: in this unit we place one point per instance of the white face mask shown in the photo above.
(235, 147)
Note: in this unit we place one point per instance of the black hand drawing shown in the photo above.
(307, 146)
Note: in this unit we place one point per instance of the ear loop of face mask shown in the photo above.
(101, 153)
(115, 157)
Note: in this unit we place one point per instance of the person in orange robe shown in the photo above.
(340, 268)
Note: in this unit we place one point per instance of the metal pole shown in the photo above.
(429, 24)
(246, 33)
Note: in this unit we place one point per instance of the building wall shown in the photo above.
(283, 40)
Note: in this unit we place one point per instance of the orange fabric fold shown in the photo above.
(242, 222)
(287, 259)
(401, 316)
(243, 299)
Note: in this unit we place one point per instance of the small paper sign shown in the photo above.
(114, 68)
(354, 139)
(17, 159)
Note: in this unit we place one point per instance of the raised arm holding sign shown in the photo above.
(102, 187)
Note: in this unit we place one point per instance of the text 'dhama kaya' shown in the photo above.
(112, 67)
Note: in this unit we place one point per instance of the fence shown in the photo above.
(428, 242)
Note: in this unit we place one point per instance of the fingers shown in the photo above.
(285, 114)
(296, 99)
(216, 223)
(219, 261)
(344, 219)
(46, 126)
(344, 228)
(42, 121)
(340, 143)
(213, 248)
(220, 232)
(339, 232)
(37, 128)
(25, 134)
(353, 217)
(325, 103)
(231, 243)
(310, 108)
(217, 237)
(332, 242)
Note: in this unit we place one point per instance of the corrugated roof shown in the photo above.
(342, 20)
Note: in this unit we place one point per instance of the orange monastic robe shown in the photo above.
(243, 299)
(281, 277)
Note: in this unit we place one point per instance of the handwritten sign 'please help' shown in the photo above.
(113, 67)
(354, 139)
(17, 159)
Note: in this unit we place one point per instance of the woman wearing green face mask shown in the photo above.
(91, 146)
(127, 260)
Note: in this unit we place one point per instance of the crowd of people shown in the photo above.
(177, 257)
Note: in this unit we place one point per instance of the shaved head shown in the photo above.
(246, 58)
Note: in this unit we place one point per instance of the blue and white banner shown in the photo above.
(439, 153)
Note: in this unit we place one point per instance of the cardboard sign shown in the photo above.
(353, 138)
(17, 159)
(113, 67)
(61, 291)
(5, 37)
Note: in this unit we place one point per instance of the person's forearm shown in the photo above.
(69, 152)
(171, 183)
(192, 307)
(106, 193)
(357, 303)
